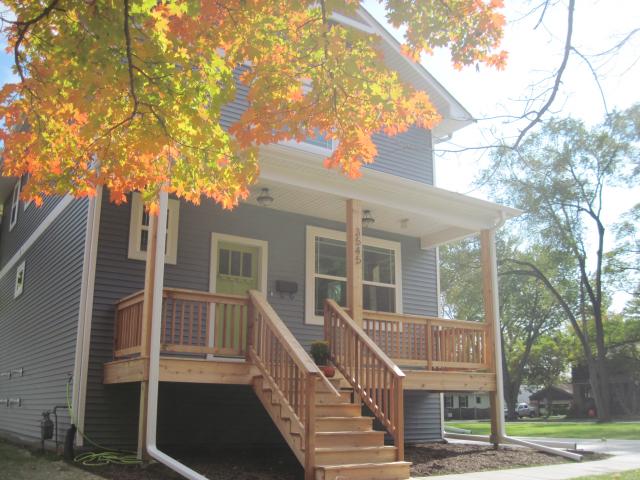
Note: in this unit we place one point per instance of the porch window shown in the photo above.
(139, 230)
(327, 273)
(15, 204)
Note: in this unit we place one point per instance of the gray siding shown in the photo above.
(116, 277)
(38, 329)
(422, 421)
(408, 155)
(28, 221)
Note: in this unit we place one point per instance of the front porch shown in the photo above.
(204, 340)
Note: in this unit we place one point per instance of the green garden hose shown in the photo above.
(106, 456)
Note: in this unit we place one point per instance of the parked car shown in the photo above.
(524, 410)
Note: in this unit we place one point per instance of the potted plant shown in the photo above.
(320, 354)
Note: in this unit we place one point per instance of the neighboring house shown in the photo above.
(466, 406)
(72, 273)
(557, 398)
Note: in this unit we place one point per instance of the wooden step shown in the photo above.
(327, 397)
(338, 410)
(350, 439)
(344, 424)
(351, 455)
(365, 471)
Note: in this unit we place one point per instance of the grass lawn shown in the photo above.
(630, 475)
(558, 429)
(20, 464)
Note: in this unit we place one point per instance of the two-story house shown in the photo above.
(310, 255)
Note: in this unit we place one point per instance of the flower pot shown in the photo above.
(328, 370)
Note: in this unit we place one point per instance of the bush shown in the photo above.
(320, 352)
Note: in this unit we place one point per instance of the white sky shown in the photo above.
(533, 55)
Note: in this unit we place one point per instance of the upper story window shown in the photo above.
(139, 230)
(320, 141)
(327, 273)
(15, 205)
(19, 285)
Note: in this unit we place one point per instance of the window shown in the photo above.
(478, 400)
(19, 286)
(139, 230)
(319, 140)
(463, 401)
(15, 204)
(327, 273)
(448, 401)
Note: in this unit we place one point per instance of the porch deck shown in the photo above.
(204, 340)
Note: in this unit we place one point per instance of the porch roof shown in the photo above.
(434, 215)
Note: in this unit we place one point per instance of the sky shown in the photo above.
(533, 55)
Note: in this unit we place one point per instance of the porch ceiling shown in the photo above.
(401, 206)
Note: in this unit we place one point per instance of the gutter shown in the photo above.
(154, 355)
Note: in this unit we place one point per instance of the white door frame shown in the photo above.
(263, 257)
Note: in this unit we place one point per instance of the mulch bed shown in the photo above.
(446, 458)
(280, 464)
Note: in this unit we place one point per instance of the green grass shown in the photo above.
(20, 464)
(629, 475)
(558, 429)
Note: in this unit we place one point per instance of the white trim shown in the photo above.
(19, 283)
(310, 318)
(85, 313)
(36, 234)
(135, 229)
(15, 204)
(263, 262)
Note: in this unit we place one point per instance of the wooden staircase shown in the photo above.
(346, 446)
(321, 419)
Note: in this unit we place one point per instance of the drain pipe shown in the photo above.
(154, 354)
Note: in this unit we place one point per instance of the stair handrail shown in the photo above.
(286, 367)
(371, 373)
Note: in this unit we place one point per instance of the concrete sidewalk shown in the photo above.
(626, 456)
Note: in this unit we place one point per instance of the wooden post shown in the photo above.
(145, 338)
(310, 428)
(489, 266)
(354, 259)
(400, 420)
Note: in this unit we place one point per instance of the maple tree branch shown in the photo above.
(127, 37)
(595, 77)
(558, 79)
(23, 28)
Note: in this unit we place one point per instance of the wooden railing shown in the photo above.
(286, 368)
(432, 343)
(187, 319)
(368, 369)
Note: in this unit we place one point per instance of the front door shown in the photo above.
(237, 270)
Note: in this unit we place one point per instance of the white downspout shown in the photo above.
(154, 354)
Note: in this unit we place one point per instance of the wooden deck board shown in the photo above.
(181, 370)
(449, 381)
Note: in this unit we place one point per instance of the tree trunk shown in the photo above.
(599, 388)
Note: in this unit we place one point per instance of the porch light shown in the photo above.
(367, 218)
(264, 199)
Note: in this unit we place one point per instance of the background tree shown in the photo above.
(527, 310)
(547, 365)
(560, 176)
(129, 93)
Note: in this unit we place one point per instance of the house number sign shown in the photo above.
(358, 246)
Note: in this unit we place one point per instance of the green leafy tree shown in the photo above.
(527, 310)
(548, 364)
(560, 176)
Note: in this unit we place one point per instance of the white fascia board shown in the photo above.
(285, 165)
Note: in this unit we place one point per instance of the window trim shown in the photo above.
(15, 204)
(18, 288)
(135, 229)
(310, 318)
